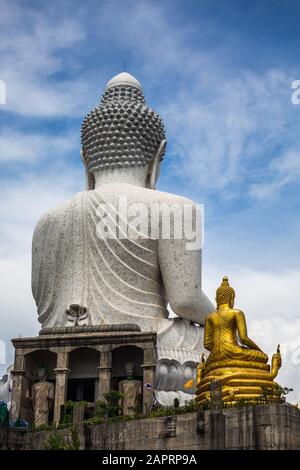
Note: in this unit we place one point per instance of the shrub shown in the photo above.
(109, 407)
(58, 441)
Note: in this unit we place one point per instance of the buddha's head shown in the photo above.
(42, 374)
(129, 369)
(225, 293)
(122, 133)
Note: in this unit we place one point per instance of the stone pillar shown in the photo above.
(148, 379)
(78, 414)
(216, 419)
(104, 371)
(61, 383)
(18, 386)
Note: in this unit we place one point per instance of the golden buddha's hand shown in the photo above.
(276, 363)
(250, 344)
(276, 358)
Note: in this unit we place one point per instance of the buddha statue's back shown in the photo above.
(116, 275)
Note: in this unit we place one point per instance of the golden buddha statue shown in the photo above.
(234, 359)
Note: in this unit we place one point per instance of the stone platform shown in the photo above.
(97, 353)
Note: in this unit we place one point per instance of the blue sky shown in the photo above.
(220, 74)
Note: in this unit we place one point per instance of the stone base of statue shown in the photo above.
(82, 363)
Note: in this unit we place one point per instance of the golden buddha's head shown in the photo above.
(225, 293)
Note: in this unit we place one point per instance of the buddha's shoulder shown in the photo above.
(61, 210)
(232, 312)
(173, 198)
(139, 194)
(112, 192)
(212, 315)
(237, 310)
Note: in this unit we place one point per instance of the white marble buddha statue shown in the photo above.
(92, 264)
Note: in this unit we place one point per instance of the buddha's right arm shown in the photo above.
(181, 273)
(242, 330)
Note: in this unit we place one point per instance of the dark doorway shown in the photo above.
(81, 390)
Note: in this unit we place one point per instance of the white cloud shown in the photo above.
(225, 127)
(26, 147)
(22, 202)
(281, 172)
(227, 142)
(225, 124)
(146, 30)
(34, 48)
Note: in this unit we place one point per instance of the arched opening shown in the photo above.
(120, 358)
(40, 359)
(83, 380)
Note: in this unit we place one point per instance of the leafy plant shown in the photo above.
(113, 396)
(188, 407)
(58, 441)
(74, 442)
(109, 407)
(280, 392)
(55, 442)
(241, 402)
(283, 392)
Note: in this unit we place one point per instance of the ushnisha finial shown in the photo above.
(123, 79)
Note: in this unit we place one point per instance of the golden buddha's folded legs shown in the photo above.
(234, 365)
(240, 384)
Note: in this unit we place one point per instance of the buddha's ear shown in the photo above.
(153, 169)
(89, 177)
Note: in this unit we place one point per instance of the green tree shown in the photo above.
(109, 407)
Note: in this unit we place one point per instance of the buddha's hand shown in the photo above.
(276, 363)
(277, 359)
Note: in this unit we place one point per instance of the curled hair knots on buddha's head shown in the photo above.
(225, 293)
(122, 131)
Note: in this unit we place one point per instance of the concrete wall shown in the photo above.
(2, 438)
(262, 427)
